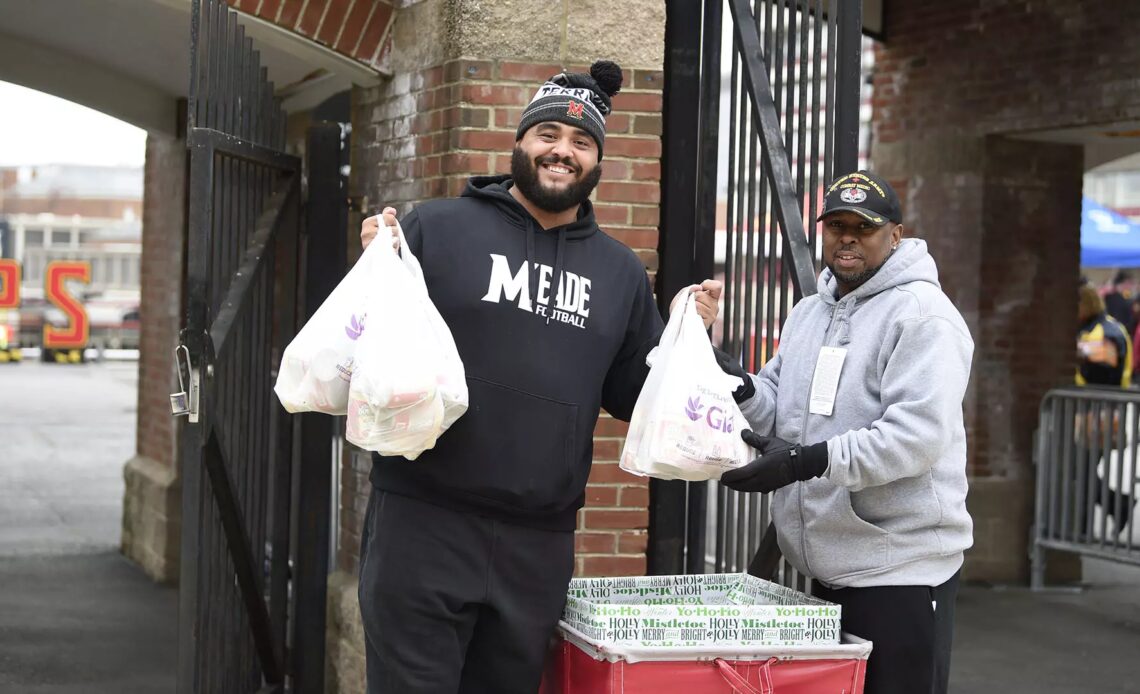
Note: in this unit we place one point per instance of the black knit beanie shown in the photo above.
(576, 99)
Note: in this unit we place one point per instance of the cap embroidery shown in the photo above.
(574, 109)
(853, 195)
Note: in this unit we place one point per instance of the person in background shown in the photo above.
(1104, 349)
(1118, 300)
(1104, 358)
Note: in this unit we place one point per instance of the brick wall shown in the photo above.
(1001, 215)
(420, 136)
(960, 90)
(160, 305)
(355, 28)
(986, 67)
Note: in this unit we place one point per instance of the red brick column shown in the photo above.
(152, 501)
(423, 135)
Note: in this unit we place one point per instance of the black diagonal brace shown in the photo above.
(240, 554)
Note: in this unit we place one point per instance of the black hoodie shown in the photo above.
(537, 375)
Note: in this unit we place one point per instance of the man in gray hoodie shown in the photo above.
(858, 423)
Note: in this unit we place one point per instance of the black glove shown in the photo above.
(780, 463)
(731, 366)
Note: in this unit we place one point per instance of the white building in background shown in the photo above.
(75, 212)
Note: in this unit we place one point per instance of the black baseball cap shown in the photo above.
(865, 194)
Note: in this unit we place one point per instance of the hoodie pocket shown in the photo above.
(517, 448)
(839, 542)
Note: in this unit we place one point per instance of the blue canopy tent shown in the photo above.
(1108, 238)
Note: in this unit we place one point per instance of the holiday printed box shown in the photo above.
(698, 610)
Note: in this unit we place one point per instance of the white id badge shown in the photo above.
(826, 380)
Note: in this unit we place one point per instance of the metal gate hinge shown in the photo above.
(185, 401)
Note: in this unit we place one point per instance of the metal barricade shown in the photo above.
(1086, 458)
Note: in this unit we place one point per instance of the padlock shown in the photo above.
(180, 401)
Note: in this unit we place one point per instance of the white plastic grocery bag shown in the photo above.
(408, 384)
(685, 424)
(317, 365)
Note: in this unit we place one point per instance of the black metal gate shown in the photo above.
(254, 550)
(791, 86)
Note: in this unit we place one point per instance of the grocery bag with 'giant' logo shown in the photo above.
(685, 425)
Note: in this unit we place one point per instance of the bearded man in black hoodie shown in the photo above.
(466, 553)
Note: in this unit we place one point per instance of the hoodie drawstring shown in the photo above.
(557, 284)
(843, 330)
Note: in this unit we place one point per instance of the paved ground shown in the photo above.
(74, 615)
(1013, 641)
(77, 618)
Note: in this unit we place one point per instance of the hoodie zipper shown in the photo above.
(803, 429)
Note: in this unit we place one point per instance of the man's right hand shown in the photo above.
(731, 366)
(371, 226)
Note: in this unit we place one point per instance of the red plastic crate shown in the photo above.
(578, 666)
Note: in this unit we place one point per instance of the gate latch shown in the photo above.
(185, 401)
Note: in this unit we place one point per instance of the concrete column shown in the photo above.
(152, 503)
(1002, 219)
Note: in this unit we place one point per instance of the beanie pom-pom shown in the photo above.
(608, 76)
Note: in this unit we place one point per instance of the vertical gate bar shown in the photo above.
(708, 140)
(1100, 482)
(195, 299)
(285, 291)
(802, 91)
(1120, 423)
(265, 355)
(829, 97)
(1133, 431)
(1050, 461)
(729, 210)
(849, 60)
(1067, 466)
(681, 114)
(213, 66)
(763, 351)
(730, 531)
(747, 277)
(791, 82)
(1090, 472)
(326, 250)
(813, 179)
(1041, 448)
(704, 254)
(741, 560)
(1081, 468)
(1086, 457)
(778, 47)
(194, 96)
(743, 136)
(721, 516)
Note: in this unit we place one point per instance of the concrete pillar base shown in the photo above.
(344, 634)
(152, 518)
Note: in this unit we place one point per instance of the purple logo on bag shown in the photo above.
(715, 418)
(355, 327)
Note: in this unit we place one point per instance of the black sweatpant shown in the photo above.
(453, 602)
(912, 628)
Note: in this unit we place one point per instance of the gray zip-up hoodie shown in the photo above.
(891, 508)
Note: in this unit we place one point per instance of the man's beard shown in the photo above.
(524, 173)
(856, 279)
